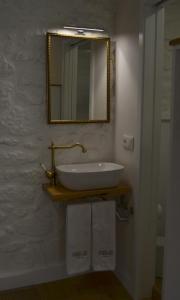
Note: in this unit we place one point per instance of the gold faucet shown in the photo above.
(51, 174)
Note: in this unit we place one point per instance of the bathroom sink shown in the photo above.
(89, 176)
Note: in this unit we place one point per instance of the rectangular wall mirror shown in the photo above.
(78, 79)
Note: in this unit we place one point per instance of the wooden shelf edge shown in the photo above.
(59, 193)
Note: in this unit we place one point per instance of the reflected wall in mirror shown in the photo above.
(78, 79)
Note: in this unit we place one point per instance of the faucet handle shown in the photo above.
(49, 173)
(43, 167)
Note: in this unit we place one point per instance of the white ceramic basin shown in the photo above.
(90, 175)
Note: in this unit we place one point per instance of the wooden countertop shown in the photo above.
(175, 42)
(60, 193)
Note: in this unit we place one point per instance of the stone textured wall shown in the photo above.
(32, 226)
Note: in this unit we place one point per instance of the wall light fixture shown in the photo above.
(82, 30)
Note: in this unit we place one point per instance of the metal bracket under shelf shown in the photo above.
(124, 208)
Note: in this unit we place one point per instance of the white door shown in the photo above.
(150, 154)
(69, 92)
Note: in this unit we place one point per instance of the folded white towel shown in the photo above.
(78, 238)
(104, 235)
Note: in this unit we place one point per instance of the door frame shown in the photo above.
(171, 288)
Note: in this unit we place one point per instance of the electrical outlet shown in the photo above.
(128, 142)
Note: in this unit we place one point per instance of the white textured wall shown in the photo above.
(32, 226)
(127, 121)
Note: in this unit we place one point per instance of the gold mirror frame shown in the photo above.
(50, 121)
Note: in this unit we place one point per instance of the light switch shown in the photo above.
(128, 142)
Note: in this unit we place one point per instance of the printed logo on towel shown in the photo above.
(80, 254)
(105, 253)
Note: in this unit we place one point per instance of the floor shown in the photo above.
(157, 289)
(95, 286)
(156, 292)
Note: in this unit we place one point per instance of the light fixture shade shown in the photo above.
(82, 29)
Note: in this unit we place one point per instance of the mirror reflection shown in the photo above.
(78, 79)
